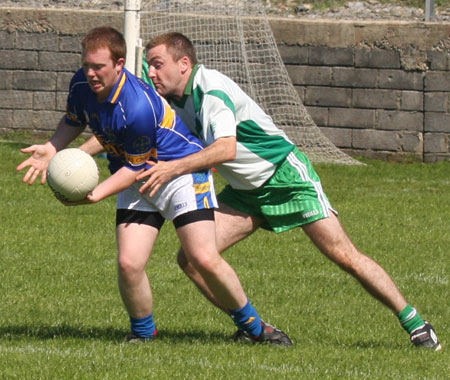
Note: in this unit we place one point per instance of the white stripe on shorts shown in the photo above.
(302, 170)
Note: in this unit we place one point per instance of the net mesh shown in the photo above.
(234, 37)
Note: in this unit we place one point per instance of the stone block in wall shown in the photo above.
(411, 142)
(330, 56)
(439, 60)
(411, 100)
(377, 58)
(309, 75)
(352, 77)
(376, 140)
(61, 101)
(437, 122)
(7, 39)
(373, 98)
(399, 120)
(34, 80)
(301, 90)
(437, 102)
(59, 61)
(6, 79)
(63, 81)
(6, 119)
(43, 100)
(297, 55)
(16, 99)
(319, 115)
(18, 60)
(437, 81)
(351, 118)
(436, 143)
(328, 96)
(340, 137)
(399, 79)
(36, 120)
(70, 44)
(37, 41)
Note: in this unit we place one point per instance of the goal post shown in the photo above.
(234, 37)
(131, 34)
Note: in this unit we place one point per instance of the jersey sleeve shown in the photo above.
(218, 115)
(75, 115)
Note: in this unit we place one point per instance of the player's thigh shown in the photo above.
(135, 243)
(332, 240)
(199, 242)
(232, 226)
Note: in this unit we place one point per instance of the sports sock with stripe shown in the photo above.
(410, 319)
(247, 319)
(143, 327)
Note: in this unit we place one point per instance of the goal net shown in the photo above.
(234, 37)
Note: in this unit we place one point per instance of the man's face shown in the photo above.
(101, 71)
(166, 74)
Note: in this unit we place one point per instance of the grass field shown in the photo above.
(61, 316)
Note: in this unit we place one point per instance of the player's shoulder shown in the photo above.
(79, 80)
(213, 81)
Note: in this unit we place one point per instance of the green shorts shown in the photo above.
(293, 196)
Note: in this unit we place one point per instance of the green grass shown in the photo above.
(61, 316)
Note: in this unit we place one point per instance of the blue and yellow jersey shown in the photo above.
(134, 124)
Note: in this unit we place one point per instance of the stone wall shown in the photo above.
(375, 89)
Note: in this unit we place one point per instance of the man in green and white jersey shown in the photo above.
(271, 183)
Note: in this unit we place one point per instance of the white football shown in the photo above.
(71, 174)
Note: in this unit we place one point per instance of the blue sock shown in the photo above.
(247, 319)
(143, 327)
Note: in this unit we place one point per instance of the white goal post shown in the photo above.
(234, 37)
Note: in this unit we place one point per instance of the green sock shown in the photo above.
(410, 319)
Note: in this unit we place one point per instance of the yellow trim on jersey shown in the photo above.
(119, 88)
(139, 159)
(168, 118)
(201, 188)
(206, 202)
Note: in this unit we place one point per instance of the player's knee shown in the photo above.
(205, 263)
(128, 267)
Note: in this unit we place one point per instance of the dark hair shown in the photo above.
(177, 44)
(105, 37)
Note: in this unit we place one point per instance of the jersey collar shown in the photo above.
(117, 89)
(189, 87)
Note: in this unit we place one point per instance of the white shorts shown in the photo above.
(185, 193)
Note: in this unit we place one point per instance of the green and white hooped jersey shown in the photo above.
(214, 106)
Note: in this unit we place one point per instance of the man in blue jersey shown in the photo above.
(134, 125)
(271, 183)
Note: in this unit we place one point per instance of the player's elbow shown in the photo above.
(229, 149)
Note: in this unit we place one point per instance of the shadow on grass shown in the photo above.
(44, 332)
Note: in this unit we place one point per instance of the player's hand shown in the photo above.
(38, 162)
(86, 201)
(160, 173)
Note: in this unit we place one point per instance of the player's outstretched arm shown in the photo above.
(92, 146)
(42, 154)
(37, 162)
(222, 150)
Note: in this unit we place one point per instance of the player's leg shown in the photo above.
(136, 234)
(231, 227)
(197, 239)
(331, 239)
(329, 236)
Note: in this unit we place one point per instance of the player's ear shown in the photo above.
(185, 64)
(120, 62)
